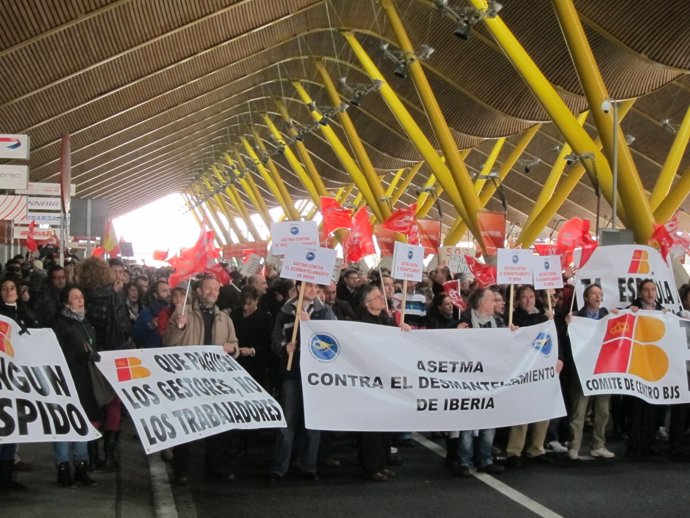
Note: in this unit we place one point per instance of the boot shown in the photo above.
(111, 455)
(95, 462)
(7, 483)
(64, 475)
(452, 453)
(81, 474)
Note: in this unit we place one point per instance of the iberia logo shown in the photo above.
(5, 342)
(10, 143)
(639, 262)
(628, 347)
(130, 368)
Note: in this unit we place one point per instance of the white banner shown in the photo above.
(45, 189)
(643, 354)
(514, 266)
(180, 394)
(547, 272)
(40, 234)
(620, 269)
(286, 233)
(12, 207)
(14, 176)
(40, 218)
(38, 399)
(14, 146)
(309, 264)
(364, 377)
(408, 262)
(252, 266)
(45, 203)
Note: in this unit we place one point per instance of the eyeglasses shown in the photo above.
(375, 297)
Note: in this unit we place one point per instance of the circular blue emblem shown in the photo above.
(547, 265)
(410, 253)
(311, 256)
(543, 343)
(516, 259)
(324, 347)
(294, 230)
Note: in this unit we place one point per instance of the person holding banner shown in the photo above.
(290, 384)
(77, 341)
(480, 315)
(202, 324)
(527, 314)
(593, 297)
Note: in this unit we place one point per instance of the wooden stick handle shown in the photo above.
(403, 303)
(510, 305)
(295, 327)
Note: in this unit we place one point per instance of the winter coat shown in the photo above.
(107, 313)
(193, 333)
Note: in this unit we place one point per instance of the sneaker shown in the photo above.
(602, 453)
(556, 447)
(573, 455)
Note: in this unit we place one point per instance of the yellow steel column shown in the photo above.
(489, 164)
(190, 207)
(302, 150)
(396, 178)
(219, 228)
(414, 132)
(675, 155)
(275, 178)
(438, 122)
(238, 202)
(372, 178)
(406, 181)
(268, 180)
(294, 162)
(231, 217)
(341, 152)
(629, 184)
(221, 202)
(252, 190)
(674, 199)
(425, 200)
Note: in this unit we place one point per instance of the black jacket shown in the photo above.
(107, 313)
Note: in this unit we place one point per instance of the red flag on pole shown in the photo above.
(668, 239)
(30, 239)
(386, 240)
(575, 234)
(334, 216)
(402, 220)
(160, 255)
(195, 259)
(110, 243)
(360, 242)
(484, 274)
(492, 226)
(452, 289)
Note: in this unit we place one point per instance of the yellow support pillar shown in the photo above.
(278, 186)
(221, 205)
(218, 227)
(489, 164)
(294, 162)
(252, 191)
(438, 122)
(414, 132)
(191, 207)
(221, 202)
(341, 152)
(238, 202)
(268, 180)
(372, 178)
(302, 150)
(629, 184)
(406, 181)
(668, 171)
(675, 198)
(396, 178)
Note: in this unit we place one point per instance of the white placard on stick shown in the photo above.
(408, 262)
(309, 264)
(252, 266)
(287, 233)
(514, 266)
(547, 272)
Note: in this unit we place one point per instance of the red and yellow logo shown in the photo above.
(130, 368)
(5, 342)
(628, 347)
(639, 262)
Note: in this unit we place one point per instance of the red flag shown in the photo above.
(360, 242)
(220, 273)
(386, 240)
(452, 289)
(492, 226)
(98, 251)
(429, 231)
(575, 234)
(484, 274)
(30, 239)
(195, 259)
(546, 249)
(334, 216)
(667, 238)
(160, 255)
(402, 220)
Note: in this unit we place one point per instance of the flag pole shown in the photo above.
(403, 303)
(186, 295)
(510, 305)
(295, 327)
(383, 289)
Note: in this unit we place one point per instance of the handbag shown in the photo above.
(102, 391)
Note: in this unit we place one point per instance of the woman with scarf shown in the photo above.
(77, 340)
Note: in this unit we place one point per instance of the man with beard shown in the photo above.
(146, 332)
(48, 302)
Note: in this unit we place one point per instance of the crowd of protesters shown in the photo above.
(97, 305)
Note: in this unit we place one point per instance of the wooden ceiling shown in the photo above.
(153, 92)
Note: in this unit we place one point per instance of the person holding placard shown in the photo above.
(290, 384)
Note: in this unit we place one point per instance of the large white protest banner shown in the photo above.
(286, 233)
(179, 394)
(38, 399)
(620, 269)
(643, 354)
(364, 377)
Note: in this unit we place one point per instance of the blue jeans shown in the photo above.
(486, 441)
(79, 450)
(293, 409)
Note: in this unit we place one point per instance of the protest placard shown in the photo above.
(309, 264)
(547, 272)
(408, 262)
(286, 233)
(514, 266)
